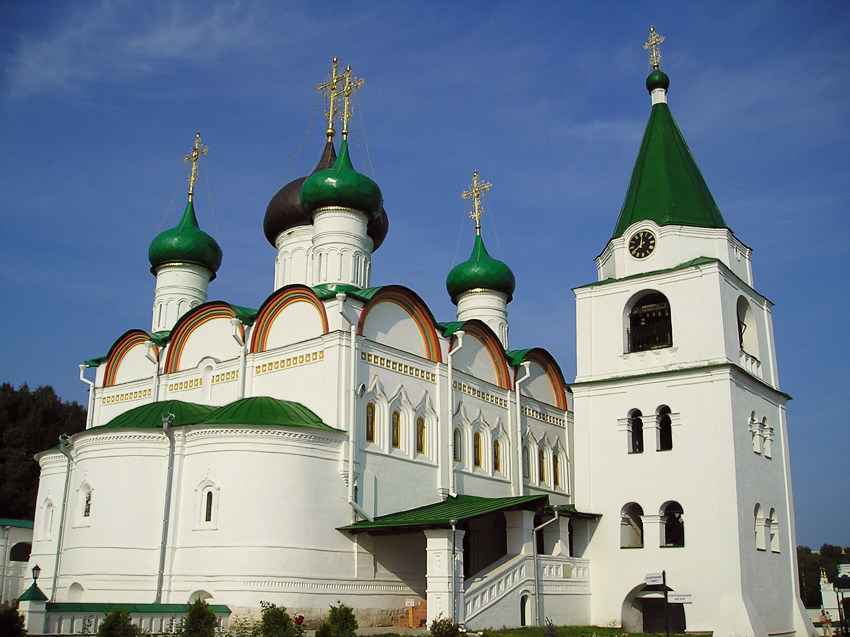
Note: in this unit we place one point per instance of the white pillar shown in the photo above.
(342, 252)
(520, 525)
(293, 263)
(444, 588)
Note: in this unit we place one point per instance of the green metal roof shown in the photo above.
(461, 507)
(185, 243)
(96, 361)
(246, 315)
(329, 290)
(96, 607)
(150, 416)
(342, 186)
(265, 411)
(681, 266)
(33, 594)
(18, 524)
(667, 186)
(258, 411)
(480, 271)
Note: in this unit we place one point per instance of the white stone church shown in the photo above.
(339, 442)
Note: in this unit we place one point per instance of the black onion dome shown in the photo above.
(377, 229)
(284, 210)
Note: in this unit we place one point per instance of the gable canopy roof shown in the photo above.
(460, 507)
(667, 186)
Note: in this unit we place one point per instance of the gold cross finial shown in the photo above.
(194, 156)
(351, 85)
(333, 93)
(652, 45)
(475, 192)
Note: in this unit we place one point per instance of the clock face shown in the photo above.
(641, 244)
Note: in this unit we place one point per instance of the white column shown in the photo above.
(444, 587)
(488, 306)
(342, 252)
(520, 525)
(293, 263)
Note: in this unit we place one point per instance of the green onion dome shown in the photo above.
(341, 186)
(481, 271)
(186, 243)
(284, 210)
(657, 79)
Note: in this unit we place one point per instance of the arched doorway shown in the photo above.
(643, 611)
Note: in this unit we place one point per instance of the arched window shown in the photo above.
(476, 449)
(87, 505)
(525, 473)
(665, 429)
(47, 525)
(674, 524)
(420, 435)
(631, 526)
(650, 326)
(456, 448)
(208, 506)
(541, 466)
(396, 430)
(759, 521)
(773, 531)
(497, 456)
(635, 428)
(370, 422)
(747, 333)
(556, 470)
(20, 552)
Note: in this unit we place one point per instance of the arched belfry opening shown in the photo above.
(649, 323)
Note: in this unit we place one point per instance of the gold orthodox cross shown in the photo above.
(351, 85)
(194, 156)
(475, 192)
(331, 87)
(652, 45)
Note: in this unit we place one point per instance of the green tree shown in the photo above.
(276, 622)
(810, 564)
(30, 421)
(117, 624)
(200, 620)
(11, 622)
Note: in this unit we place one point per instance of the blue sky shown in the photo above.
(100, 101)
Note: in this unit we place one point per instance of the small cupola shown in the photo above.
(482, 286)
(345, 207)
(184, 259)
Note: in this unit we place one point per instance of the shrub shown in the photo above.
(117, 624)
(11, 622)
(276, 622)
(200, 620)
(550, 630)
(444, 627)
(340, 622)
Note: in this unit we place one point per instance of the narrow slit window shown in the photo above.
(420, 435)
(396, 430)
(370, 422)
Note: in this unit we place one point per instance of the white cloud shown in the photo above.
(118, 41)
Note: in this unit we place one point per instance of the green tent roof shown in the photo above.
(667, 186)
(460, 507)
(33, 594)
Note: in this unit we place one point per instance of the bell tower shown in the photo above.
(679, 409)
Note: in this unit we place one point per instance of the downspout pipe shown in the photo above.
(90, 383)
(518, 490)
(556, 508)
(352, 395)
(167, 423)
(8, 530)
(235, 323)
(449, 408)
(454, 571)
(153, 359)
(64, 449)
